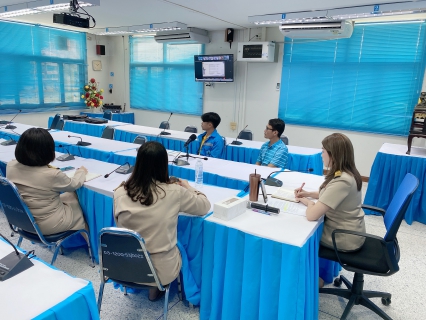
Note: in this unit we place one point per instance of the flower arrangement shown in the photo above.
(92, 97)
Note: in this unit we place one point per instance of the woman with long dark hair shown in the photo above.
(41, 185)
(149, 203)
(339, 196)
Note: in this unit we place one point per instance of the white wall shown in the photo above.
(251, 99)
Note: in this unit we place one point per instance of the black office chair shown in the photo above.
(124, 259)
(22, 221)
(140, 140)
(108, 133)
(55, 121)
(192, 129)
(246, 135)
(164, 125)
(60, 125)
(378, 256)
(107, 115)
(284, 139)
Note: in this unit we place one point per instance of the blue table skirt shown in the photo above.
(386, 175)
(295, 162)
(82, 128)
(128, 117)
(81, 305)
(187, 173)
(247, 277)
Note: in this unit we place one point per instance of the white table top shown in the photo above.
(400, 150)
(284, 228)
(35, 290)
(20, 128)
(180, 135)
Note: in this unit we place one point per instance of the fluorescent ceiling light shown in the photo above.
(358, 12)
(41, 6)
(146, 28)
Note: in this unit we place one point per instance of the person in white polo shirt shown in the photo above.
(273, 153)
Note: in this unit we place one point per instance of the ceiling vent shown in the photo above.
(318, 30)
(186, 36)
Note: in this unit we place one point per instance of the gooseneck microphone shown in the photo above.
(191, 138)
(10, 142)
(164, 133)
(14, 263)
(236, 142)
(278, 183)
(65, 157)
(125, 168)
(9, 126)
(81, 142)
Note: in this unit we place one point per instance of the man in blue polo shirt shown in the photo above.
(273, 153)
(211, 142)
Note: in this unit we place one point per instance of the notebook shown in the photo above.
(89, 176)
(284, 194)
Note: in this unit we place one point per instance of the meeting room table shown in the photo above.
(43, 292)
(389, 169)
(260, 266)
(127, 117)
(299, 158)
(90, 129)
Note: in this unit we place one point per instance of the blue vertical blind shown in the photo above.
(162, 77)
(40, 67)
(370, 82)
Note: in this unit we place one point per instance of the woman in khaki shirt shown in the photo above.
(40, 185)
(339, 197)
(149, 203)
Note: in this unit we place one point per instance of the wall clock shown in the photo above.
(97, 65)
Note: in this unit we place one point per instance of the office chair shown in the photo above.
(21, 221)
(378, 256)
(60, 125)
(140, 140)
(107, 115)
(164, 125)
(122, 252)
(192, 129)
(108, 133)
(284, 139)
(55, 121)
(246, 135)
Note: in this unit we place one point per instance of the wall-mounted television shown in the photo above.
(214, 68)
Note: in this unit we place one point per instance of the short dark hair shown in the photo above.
(212, 117)
(278, 125)
(152, 166)
(35, 148)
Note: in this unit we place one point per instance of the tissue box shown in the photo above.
(229, 208)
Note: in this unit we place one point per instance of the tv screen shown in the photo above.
(214, 68)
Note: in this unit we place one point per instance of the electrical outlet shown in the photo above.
(233, 125)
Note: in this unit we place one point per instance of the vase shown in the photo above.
(95, 110)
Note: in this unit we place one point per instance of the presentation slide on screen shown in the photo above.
(213, 69)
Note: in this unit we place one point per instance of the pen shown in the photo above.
(261, 211)
(303, 184)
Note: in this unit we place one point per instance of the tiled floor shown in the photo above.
(407, 286)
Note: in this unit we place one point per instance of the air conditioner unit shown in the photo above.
(186, 36)
(319, 30)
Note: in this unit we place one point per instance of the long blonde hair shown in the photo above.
(341, 153)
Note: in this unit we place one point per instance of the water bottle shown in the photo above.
(198, 173)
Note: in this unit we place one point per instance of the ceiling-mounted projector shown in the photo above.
(70, 20)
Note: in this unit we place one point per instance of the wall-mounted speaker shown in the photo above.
(100, 50)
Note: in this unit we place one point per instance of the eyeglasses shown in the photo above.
(269, 129)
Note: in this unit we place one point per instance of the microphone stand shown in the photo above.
(180, 162)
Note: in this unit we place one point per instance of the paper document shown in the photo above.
(284, 194)
(288, 207)
(89, 176)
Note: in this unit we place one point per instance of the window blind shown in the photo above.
(369, 82)
(162, 77)
(40, 67)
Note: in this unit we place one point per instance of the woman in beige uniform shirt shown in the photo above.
(149, 203)
(339, 197)
(40, 185)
